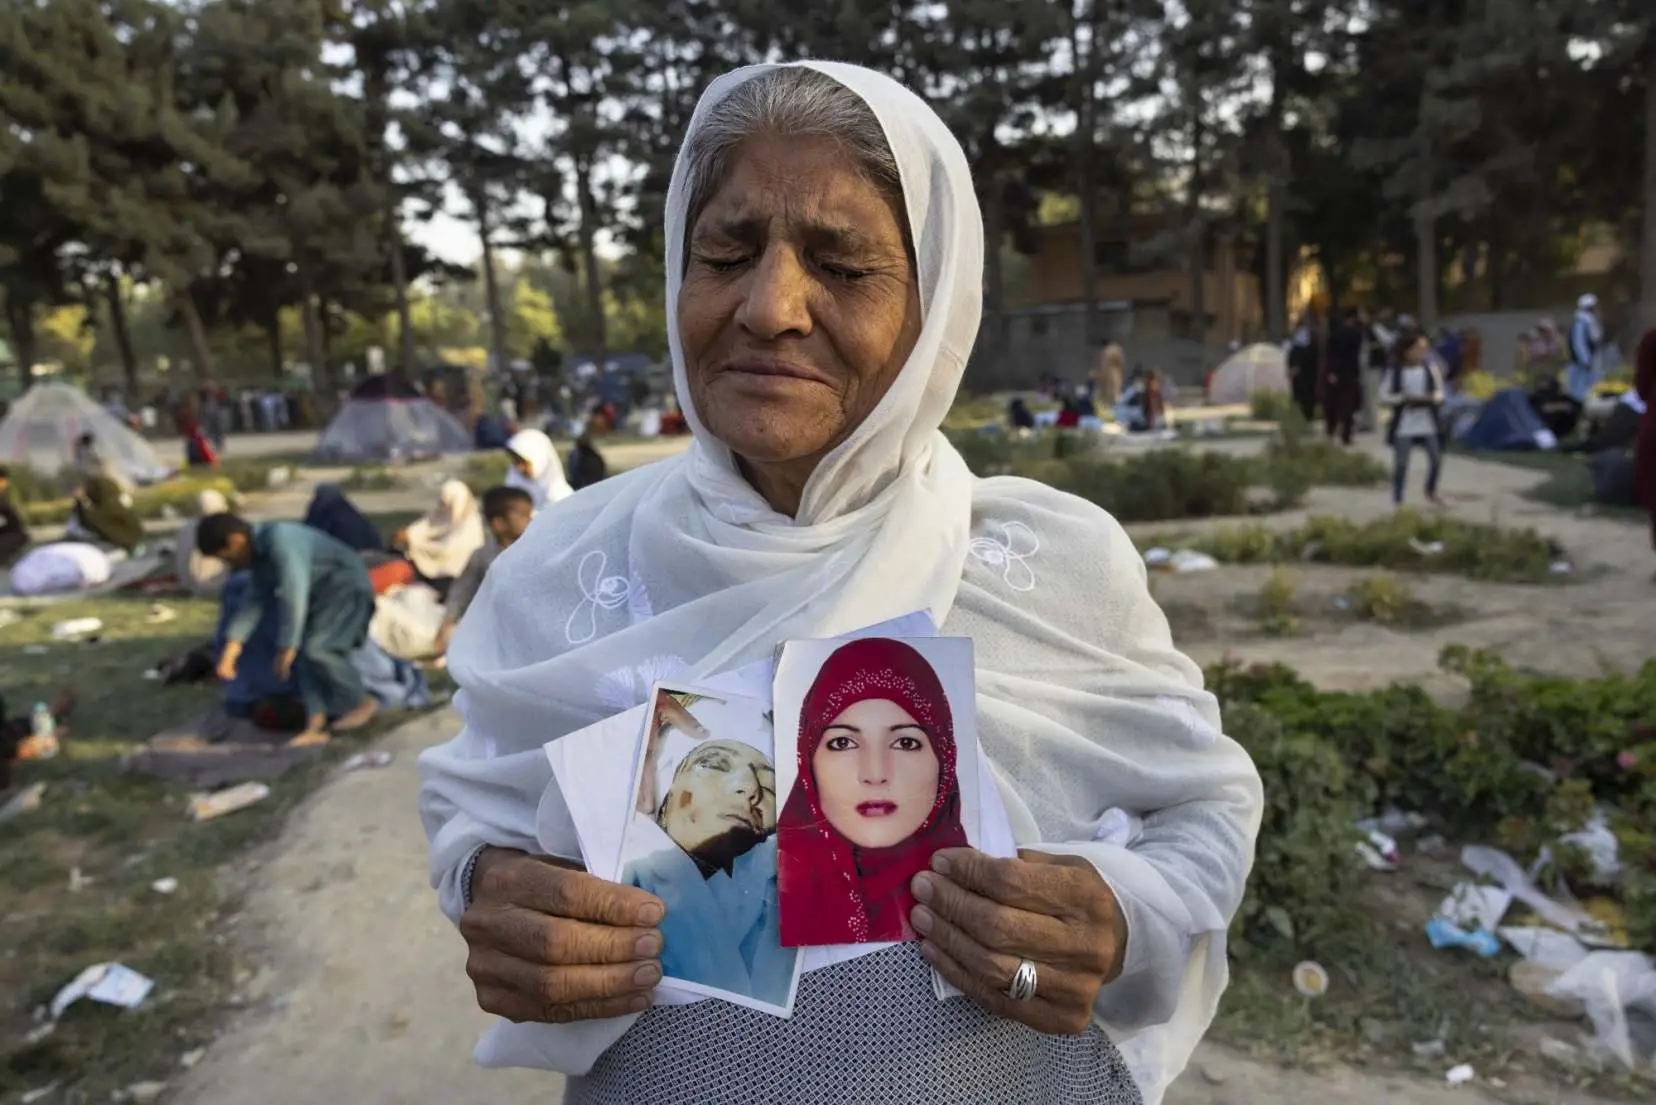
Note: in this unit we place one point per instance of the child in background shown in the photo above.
(507, 512)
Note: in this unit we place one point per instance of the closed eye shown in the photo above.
(720, 264)
(846, 273)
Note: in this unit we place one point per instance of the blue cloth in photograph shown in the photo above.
(724, 931)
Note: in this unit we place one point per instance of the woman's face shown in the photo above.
(1416, 353)
(799, 306)
(876, 774)
(720, 788)
(522, 465)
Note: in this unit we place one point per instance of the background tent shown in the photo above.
(45, 422)
(386, 419)
(1508, 424)
(1247, 372)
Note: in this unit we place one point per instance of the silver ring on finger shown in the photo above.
(1023, 983)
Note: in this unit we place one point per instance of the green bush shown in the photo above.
(486, 470)
(1271, 406)
(1400, 542)
(1474, 769)
(370, 478)
(1276, 605)
(1306, 870)
(1383, 599)
(179, 497)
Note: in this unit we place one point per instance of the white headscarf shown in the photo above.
(1104, 744)
(440, 543)
(546, 481)
(204, 576)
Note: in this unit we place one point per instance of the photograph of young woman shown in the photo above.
(877, 793)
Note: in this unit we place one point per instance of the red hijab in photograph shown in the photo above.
(830, 890)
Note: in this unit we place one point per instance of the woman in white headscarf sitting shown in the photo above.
(439, 544)
(824, 276)
(536, 468)
(202, 576)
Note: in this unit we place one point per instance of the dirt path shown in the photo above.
(1596, 616)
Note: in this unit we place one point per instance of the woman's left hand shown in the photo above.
(979, 917)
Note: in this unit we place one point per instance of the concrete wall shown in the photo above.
(1048, 341)
(1500, 331)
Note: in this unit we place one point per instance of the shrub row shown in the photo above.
(1524, 761)
(1405, 541)
(1171, 483)
(42, 502)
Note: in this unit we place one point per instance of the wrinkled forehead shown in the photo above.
(915, 135)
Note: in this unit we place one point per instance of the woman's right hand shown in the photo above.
(552, 944)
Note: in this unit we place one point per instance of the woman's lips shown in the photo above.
(876, 809)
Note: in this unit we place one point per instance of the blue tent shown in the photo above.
(1508, 424)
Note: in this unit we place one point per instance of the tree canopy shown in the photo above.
(222, 168)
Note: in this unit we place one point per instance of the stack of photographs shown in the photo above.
(766, 832)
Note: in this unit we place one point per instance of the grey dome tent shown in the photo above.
(387, 419)
(41, 430)
(1249, 372)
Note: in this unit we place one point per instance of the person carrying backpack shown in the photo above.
(1414, 391)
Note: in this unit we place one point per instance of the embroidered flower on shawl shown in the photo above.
(1010, 553)
(639, 608)
(626, 687)
(598, 592)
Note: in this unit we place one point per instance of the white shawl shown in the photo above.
(546, 481)
(440, 543)
(1103, 742)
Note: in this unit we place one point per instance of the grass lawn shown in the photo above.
(1569, 482)
(122, 832)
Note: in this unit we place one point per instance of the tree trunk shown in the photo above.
(201, 352)
(273, 334)
(1647, 250)
(491, 286)
(316, 350)
(20, 321)
(994, 286)
(1198, 235)
(589, 260)
(376, 85)
(1426, 265)
(1276, 196)
(123, 336)
(1086, 155)
(405, 311)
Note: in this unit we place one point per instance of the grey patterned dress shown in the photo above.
(867, 1031)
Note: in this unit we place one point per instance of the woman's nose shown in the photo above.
(874, 765)
(777, 296)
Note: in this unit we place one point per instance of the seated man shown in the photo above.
(325, 601)
(507, 512)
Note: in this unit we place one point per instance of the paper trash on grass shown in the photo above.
(368, 760)
(1475, 906)
(205, 807)
(108, 983)
(1444, 933)
(1459, 1076)
(24, 801)
(76, 627)
(1496, 865)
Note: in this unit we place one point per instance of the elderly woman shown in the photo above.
(824, 272)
